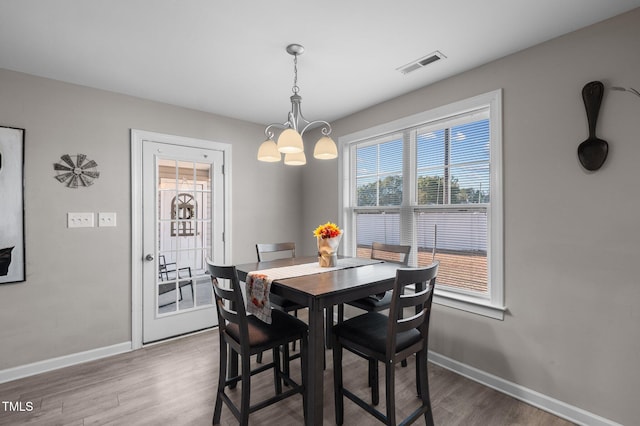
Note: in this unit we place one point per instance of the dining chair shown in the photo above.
(278, 251)
(379, 302)
(271, 251)
(390, 339)
(247, 336)
(393, 253)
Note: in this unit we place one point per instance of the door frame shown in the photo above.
(137, 254)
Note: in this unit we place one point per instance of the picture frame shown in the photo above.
(12, 244)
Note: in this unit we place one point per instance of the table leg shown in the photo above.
(315, 368)
(328, 326)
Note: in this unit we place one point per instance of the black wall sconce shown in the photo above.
(592, 152)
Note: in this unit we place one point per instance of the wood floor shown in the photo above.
(173, 383)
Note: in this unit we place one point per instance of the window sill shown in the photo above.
(469, 304)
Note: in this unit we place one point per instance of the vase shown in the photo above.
(328, 251)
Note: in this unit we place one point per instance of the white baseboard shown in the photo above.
(63, 361)
(531, 397)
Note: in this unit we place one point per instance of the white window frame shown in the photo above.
(493, 306)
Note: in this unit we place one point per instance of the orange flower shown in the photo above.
(328, 230)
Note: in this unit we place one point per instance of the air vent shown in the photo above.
(422, 62)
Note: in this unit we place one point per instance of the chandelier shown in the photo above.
(290, 138)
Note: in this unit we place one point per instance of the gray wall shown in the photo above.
(77, 295)
(572, 239)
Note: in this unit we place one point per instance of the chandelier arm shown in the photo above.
(326, 127)
(269, 132)
(298, 115)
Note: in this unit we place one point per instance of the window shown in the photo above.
(183, 213)
(433, 181)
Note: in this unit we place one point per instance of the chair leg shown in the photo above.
(340, 313)
(245, 398)
(285, 361)
(293, 345)
(375, 387)
(277, 379)
(418, 377)
(421, 363)
(232, 366)
(390, 387)
(259, 358)
(222, 377)
(338, 390)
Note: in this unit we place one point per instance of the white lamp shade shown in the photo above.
(295, 159)
(325, 149)
(268, 152)
(290, 142)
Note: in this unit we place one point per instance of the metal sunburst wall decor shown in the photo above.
(76, 171)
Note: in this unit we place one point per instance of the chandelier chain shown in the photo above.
(295, 88)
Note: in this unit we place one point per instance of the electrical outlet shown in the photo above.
(106, 219)
(80, 220)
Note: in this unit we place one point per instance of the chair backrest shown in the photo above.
(424, 280)
(229, 301)
(280, 250)
(391, 253)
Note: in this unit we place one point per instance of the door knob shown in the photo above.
(149, 257)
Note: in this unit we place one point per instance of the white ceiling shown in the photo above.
(228, 57)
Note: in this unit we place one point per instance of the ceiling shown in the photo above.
(229, 58)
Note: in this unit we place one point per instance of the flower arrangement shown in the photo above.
(328, 236)
(328, 230)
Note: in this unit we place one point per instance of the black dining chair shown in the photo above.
(279, 251)
(271, 251)
(390, 339)
(393, 253)
(379, 302)
(247, 336)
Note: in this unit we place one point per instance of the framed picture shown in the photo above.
(12, 249)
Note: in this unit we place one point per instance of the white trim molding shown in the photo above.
(491, 304)
(521, 393)
(137, 137)
(63, 361)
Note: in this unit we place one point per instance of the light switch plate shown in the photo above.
(80, 220)
(106, 219)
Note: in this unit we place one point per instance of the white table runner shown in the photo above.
(313, 268)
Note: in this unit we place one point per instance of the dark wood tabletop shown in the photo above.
(327, 288)
(319, 292)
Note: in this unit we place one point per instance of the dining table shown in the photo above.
(320, 291)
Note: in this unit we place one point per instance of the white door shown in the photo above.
(182, 225)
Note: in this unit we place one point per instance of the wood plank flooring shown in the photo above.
(173, 383)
